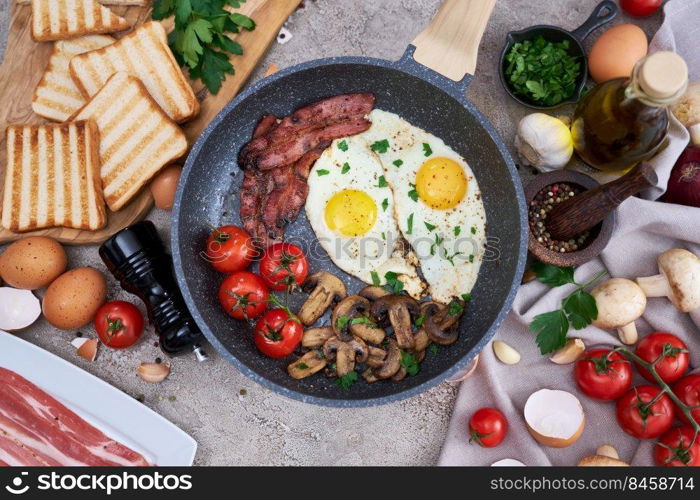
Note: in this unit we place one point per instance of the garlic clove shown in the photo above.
(153, 373)
(505, 353)
(569, 353)
(607, 450)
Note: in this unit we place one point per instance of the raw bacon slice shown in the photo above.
(35, 429)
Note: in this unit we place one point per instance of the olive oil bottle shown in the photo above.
(624, 121)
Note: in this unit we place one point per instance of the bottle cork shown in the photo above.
(663, 75)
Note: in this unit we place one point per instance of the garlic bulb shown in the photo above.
(543, 142)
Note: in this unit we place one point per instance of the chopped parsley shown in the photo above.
(380, 146)
(455, 308)
(375, 278)
(409, 222)
(473, 229)
(457, 230)
(346, 168)
(362, 320)
(398, 163)
(303, 366)
(450, 258)
(438, 242)
(383, 235)
(410, 363)
(347, 380)
(342, 322)
(322, 171)
(381, 182)
(392, 279)
(466, 297)
(413, 193)
(343, 145)
(428, 226)
(420, 320)
(427, 150)
(471, 258)
(385, 204)
(433, 349)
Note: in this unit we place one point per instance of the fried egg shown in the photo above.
(436, 201)
(351, 209)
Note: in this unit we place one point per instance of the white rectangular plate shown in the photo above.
(112, 411)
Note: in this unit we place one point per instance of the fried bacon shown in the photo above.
(277, 161)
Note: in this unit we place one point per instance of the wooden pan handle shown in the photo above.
(450, 44)
(587, 209)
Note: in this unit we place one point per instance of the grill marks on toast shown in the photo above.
(64, 19)
(51, 178)
(162, 76)
(57, 97)
(137, 138)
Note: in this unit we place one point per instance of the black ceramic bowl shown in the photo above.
(603, 13)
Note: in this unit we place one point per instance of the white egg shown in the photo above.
(437, 203)
(350, 208)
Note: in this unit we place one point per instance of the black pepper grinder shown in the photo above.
(137, 257)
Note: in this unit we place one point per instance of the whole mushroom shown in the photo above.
(324, 289)
(679, 279)
(620, 302)
(350, 318)
(400, 311)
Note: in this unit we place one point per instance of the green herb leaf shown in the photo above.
(409, 222)
(346, 168)
(303, 366)
(420, 320)
(553, 276)
(457, 230)
(163, 9)
(473, 229)
(362, 320)
(392, 280)
(433, 349)
(427, 150)
(551, 328)
(471, 258)
(581, 309)
(429, 226)
(466, 297)
(380, 146)
(385, 204)
(342, 322)
(322, 171)
(381, 182)
(347, 380)
(413, 193)
(410, 363)
(398, 163)
(454, 308)
(375, 278)
(343, 145)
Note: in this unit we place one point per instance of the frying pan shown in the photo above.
(426, 87)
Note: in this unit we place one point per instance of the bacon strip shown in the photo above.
(277, 160)
(36, 428)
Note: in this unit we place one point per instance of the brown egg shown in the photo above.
(616, 52)
(72, 300)
(33, 262)
(164, 185)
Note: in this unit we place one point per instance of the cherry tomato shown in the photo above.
(671, 367)
(678, 447)
(488, 427)
(640, 420)
(243, 295)
(230, 249)
(688, 390)
(284, 266)
(640, 8)
(278, 333)
(603, 374)
(119, 324)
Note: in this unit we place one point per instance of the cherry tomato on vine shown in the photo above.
(640, 8)
(640, 419)
(675, 361)
(603, 374)
(688, 391)
(278, 333)
(488, 427)
(678, 447)
(243, 295)
(230, 249)
(284, 266)
(119, 324)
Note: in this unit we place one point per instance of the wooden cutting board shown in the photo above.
(24, 65)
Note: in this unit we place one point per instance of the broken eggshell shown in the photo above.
(554, 418)
(18, 309)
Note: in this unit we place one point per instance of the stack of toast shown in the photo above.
(119, 103)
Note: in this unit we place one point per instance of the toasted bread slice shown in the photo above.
(57, 97)
(143, 53)
(137, 138)
(105, 2)
(64, 19)
(52, 177)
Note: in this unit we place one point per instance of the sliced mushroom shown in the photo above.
(324, 289)
(350, 318)
(308, 364)
(345, 353)
(373, 292)
(422, 340)
(392, 361)
(400, 375)
(316, 337)
(400, 311)
(369, 376)
(439, 324)
(376, 357)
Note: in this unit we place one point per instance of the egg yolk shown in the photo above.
(441, 183)
(351, 212)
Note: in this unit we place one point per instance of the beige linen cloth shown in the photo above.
(644, 229)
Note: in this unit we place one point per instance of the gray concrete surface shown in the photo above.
(237, 422)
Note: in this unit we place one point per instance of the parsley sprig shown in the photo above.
(578, 308)
(200, 39)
